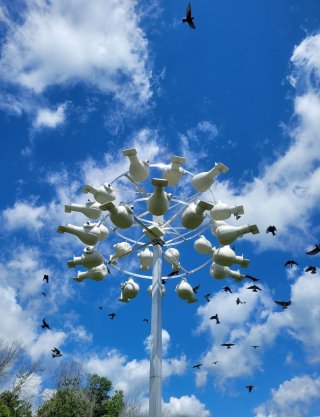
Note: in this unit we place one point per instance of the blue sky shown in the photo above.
(84, 80)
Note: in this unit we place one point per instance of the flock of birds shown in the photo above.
(56, 353)
(255, 288)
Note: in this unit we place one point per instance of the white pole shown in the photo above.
(155, 384)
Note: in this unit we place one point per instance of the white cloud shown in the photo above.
(132, 376)
(293, 397)
(50, 118)
(165, 342)
(24, 215)
(258, 322)
(55, 43)
(186, 406)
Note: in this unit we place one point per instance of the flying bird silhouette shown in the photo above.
(228, 345)
(146, 320)
(271, 229)
(173, 273)
(255, 346)
(195, 289)
(197, 366)
(253, 279)
(189, 19)
(227, 289)
(214, 362)
(56, 353)
(315, 250)
(163, 281)
(254, 288)
(207, 296)
(44, 294)
(291, 263)
(238, 301)
(100, 308)
(249, 387)
(45, 325)
(216, 318)
(112, 315)
(283, 304)
(311, 269)
(46, 278)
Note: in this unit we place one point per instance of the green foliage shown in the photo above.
(4, 410)
(66, 402)
(17, 407)
(114, 405)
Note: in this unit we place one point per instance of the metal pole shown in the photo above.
(155, 382)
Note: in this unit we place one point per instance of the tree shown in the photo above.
(16, 407)
(4, 410)
(10, 352)
(66, 402)
(114, 405)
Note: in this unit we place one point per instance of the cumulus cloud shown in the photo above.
(186, 406)
(50, 118)
(293, 397)
(132, 376)
(24, 215)
(55, 43)
(258, 322)
(165, 342)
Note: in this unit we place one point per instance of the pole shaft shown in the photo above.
(155, 383)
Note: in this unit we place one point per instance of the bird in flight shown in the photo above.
(173, 273)
(291, 263)
(197, 366)
(315, 250)
(44, 294)
(228, 345)
(195, 289)
(311, 269)
(271, 229)
(227, 289)
(207, 296)
(56, 353)
(100, 308)
(254, 288)
(249, 387)
(238, 301)
(189, 19)
(283, 304)
(46, 278)
(255, 346)
(216, 318)
(45, 325)
(253, 279)
(163, 281)
(112, 315)
(146, 320)
(214, 362)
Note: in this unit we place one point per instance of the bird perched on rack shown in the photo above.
(45, 325)
(283, 304)
(216, 318)
(315, 250)
(271, 229)
(189, 19)
(311, 269)
(291, 263)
